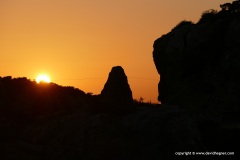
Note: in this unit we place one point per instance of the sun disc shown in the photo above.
(43, 78)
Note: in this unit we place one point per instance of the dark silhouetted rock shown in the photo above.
(199, 67)
(116, 92)
(200, 71)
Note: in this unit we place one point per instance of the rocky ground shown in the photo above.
(148, 133)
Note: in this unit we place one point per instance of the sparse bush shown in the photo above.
(208, 16)
(233, 7)
(226, 6)
(182, 23)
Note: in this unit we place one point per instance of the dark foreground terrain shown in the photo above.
(199, 89)
(51, 122)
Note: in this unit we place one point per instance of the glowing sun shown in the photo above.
(43, 78)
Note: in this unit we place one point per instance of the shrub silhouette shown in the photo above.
(226, 6)
(231, 7)
(207, 16)
(182, 23)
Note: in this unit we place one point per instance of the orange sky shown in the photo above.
(76, 42)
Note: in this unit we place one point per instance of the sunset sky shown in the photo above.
(77, 42)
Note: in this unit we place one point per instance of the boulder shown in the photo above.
(116, 92)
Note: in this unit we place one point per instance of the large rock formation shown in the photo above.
(116, 92)
(199, 66)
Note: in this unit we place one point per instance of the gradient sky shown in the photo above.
(77, 42)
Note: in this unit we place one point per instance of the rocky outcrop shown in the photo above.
(199, 67)
(116, 92)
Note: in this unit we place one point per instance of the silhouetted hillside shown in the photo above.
(200, 71)
(52, 122)
(22, 101)
(21, 95)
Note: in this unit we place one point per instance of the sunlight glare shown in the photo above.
(43, 78)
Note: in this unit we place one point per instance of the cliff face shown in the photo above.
(199, 66)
